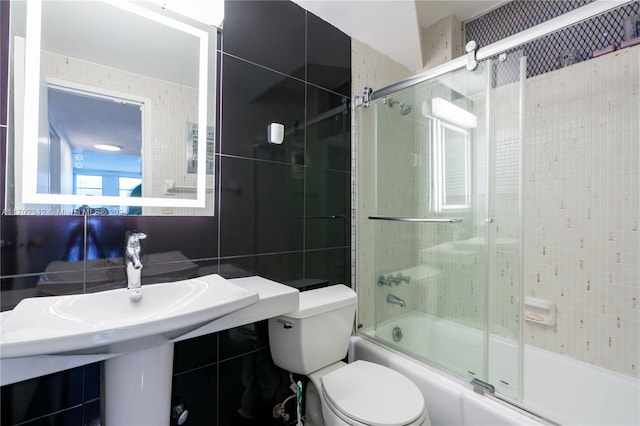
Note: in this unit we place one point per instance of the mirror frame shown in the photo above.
(29, 194)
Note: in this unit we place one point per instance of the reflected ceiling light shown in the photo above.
(445, 110)
(107, 147)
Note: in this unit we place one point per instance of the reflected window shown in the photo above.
(129, 186)
(452, 167)
(88, 185)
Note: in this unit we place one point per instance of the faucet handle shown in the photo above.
(382, 280)
(399, 278)
(133, 238)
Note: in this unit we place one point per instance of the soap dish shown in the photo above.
(540, 311)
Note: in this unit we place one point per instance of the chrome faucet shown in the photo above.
(395, 300)
(132, 257)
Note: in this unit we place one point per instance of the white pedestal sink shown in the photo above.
(134, 392)
(139, 327)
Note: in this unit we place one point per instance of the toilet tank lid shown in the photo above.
(326, 299)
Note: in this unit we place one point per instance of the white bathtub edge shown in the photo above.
(448, 401)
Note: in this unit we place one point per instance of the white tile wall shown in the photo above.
(582, 209)
(441, 42)
(373, 69)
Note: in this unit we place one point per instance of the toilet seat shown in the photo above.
(364, 393)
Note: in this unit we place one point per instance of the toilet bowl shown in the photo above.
(314, 340)
(364, 393)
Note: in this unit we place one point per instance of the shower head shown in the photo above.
(404, 108)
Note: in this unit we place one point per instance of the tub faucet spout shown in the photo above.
(395, 300)
(133, 258)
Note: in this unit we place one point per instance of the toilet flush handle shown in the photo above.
(286, 324)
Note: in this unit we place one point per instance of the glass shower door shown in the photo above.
(432, 226)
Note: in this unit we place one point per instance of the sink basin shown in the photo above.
(113, 322)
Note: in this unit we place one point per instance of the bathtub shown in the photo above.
(556, 387)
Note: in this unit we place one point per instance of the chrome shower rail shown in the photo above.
(418, 219)
(570, 18)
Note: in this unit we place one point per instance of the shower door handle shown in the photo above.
(418, 219)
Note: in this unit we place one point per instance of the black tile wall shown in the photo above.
(244, 339)
(328, 208)
(264, 214)
(282, 212)
(31, 243)
(269, 33)
(71, 417)
(105, 236)
(252, 387)
(54, 399)
(235, 385)
(257, 96)
(328, 143)
(328, 56)
(197, 390)
(195, 353)
(329, 265)
(280, 267)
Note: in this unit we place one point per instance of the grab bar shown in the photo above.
(418, 219)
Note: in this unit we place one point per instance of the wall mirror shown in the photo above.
(109, 100)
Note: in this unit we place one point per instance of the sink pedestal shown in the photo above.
(138, 387)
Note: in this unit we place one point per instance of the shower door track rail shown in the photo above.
(570, 18)
(418, 219)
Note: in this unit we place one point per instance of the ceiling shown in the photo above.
(392, 27)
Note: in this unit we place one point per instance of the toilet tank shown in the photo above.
(317, 334)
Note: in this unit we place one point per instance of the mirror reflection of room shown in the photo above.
(95, 145)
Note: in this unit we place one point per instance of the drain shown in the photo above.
(397, 334)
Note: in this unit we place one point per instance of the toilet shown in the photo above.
(314, 340)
